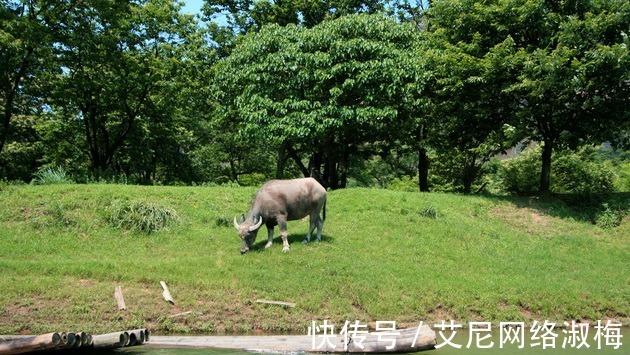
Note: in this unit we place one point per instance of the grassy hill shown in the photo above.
(385, 256)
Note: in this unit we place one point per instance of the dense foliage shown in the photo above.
(355, 93)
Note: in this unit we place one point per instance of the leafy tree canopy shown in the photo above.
(559, 69)
(341, 80)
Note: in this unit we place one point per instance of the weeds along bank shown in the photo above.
(384, 256)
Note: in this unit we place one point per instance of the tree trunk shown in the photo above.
(545, 175)
(470, 173)
(345, 162)
(282, 157)
(6, 119)
(4, 131)
(423, 170)
(14, 86)
(314, 166)
(330, 170)
(233, 173)
(296, 158)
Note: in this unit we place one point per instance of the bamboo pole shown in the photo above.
(86, 339)
(89, 341)
(71, 340)
(64, 339)
(110, 340)
(166, 294)
(119, 298)
(279, 303)
(79, 339)
(30, 344)
(136, 337)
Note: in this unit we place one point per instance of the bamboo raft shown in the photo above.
(65, 341)
(408, 340)
(405, 340)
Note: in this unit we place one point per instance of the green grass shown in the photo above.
(385, 255)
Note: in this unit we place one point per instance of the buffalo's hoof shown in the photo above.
(305, 241)
(267, 246)
(286, 249)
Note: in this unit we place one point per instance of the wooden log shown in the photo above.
(279, 303)
(408, 340)
(110, 340)
(119, 298)
(29, 344)
(166, 294)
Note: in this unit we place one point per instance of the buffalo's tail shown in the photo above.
(324, 213)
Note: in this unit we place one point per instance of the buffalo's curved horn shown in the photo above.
(257, 225)
(236, 223)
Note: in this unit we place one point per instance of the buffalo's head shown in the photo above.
(247, 231)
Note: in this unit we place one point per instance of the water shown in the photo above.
(150, 350)
(460, 338)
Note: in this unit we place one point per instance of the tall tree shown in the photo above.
(562, 68)
(575, 85)
(322, 92)
(237, 17)
(28, 30)
(118, 60)
(469, 71)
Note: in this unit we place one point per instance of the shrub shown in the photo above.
(607, 218)
(141, 216)
(571, 172)
(575, 173)
(521, 175)
(50, 176)
(623, 182)
(404, 183)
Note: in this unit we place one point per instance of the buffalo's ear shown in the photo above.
(257, 225)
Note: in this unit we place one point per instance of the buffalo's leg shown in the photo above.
(282, 225)
(318, 223)
(310, 231)
(320, 226)
(269, 237)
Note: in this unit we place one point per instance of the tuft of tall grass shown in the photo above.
(223, 221)
(143, 217)
(51, 176)
(429, 212)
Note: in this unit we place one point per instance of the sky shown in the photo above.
(192, 6)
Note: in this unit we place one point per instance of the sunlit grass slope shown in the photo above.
(385, 255)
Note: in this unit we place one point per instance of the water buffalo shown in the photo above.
(279, 201)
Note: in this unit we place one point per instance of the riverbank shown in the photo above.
(385, 256)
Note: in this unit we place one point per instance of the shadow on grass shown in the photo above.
(293, 238)
(579, 207)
